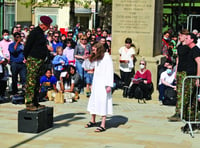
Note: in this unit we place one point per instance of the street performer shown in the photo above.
(36, 51)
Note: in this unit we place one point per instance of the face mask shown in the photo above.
(166, 38)
(6, 37)
(141, 66)
(169, 71)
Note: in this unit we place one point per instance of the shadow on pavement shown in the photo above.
(68, 119)
(115, 121)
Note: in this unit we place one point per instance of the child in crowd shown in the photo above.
(47, 82)
(59, 62)
(69, 53)
(89, 71)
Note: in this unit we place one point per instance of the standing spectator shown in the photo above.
(14, 29)
(5, 43)
(165, 45)
(109, 37)
(109, 46)
(93, 31)
(3, 79)
(25, 31)
(99, 34)
(56, 29)
(19, 28)
(56, 42)
(127, 55)
(76, 29)
(35, 52)
(23, 38)
(105, 45)
(88, 67)
(88, 34)
(80, 55)
(31, 27)
(60, 61)
(18, 67)
(105, 33)
(69, 53)
(51, 28)
(80, 33)
(181, 72)
(70, 37)
(193, 69)
(100, 102)
(63, 39)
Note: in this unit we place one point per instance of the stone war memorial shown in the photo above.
(142, 21)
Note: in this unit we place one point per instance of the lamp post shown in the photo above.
(1, 15)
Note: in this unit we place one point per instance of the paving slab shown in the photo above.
(132, 125)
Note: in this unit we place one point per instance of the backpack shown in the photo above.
(18, 99)
(170, 97)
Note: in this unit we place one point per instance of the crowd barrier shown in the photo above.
(190, 113)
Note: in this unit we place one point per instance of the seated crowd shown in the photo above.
(68, 69)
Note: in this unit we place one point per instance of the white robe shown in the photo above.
(100, 102)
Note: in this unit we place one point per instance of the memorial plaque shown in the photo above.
(142, 21)
(135, 19)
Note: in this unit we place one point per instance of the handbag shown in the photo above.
(59, 98)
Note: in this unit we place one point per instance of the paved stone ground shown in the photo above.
(133, 125)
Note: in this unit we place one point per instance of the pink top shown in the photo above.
(4, 46)
(146, 75)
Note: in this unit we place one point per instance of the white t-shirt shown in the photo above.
(126, 55)
(168, 78)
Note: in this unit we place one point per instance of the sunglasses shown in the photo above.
(22, 36)
(56, 36)
(84, 39)
(142, 64)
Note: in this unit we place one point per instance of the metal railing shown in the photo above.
(190, 103)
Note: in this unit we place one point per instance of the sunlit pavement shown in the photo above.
(132, 125)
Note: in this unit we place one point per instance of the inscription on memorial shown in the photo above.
(133, 16)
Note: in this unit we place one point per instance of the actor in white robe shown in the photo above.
(100, 102)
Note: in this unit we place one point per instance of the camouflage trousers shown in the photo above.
(189, 102)
(34, 73)
(179, 79)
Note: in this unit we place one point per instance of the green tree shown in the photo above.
(106, 6)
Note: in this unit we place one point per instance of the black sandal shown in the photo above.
(100, 129)
(90, 124)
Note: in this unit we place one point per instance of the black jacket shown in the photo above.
(36, 45)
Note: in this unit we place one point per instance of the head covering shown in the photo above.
(46, 20)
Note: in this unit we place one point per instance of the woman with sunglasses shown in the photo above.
(142, 79)
(81, 53)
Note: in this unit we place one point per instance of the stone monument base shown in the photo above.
(35, 121)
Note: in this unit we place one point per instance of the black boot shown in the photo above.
(125, 92)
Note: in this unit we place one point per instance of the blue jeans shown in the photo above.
(161, 89)
(88, 77)
(80, 70)
(18, 68)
